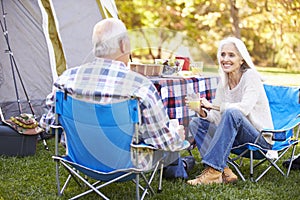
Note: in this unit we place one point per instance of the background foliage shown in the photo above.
(269, 28)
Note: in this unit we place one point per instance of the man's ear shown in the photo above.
(122, 44)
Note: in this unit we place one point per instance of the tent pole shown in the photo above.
(15, 67)
(5, 32)
(102, 9)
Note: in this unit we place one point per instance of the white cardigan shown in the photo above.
(249, 97)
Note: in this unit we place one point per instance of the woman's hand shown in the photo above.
(206, 104)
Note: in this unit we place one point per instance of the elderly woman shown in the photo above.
(236, 116)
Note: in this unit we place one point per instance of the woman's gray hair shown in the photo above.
(107, 35)
(242, 49)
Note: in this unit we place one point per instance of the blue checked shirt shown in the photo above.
(105, 81)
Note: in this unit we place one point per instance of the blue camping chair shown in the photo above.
(100, 147)
(285, 109)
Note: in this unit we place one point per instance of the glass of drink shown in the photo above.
(197, 68)
(194, 101)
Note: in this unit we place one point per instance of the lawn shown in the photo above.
(277, 76)
(271, 75)
(33, 177)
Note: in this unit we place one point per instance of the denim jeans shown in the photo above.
(215, 142)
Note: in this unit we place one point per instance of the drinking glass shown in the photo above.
(197, 68)
(194, 101)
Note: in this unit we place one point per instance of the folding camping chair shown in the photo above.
(285, 109)
(99, 145)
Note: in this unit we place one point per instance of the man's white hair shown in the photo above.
(242, 49)
(106, 36)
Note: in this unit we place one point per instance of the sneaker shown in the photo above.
(228, 176)
(208, 176)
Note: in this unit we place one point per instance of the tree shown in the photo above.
(268, 27)
(234, 14)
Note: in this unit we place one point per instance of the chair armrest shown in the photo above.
(142, 146)
(56, 126)
(186, 144)
(284, 132)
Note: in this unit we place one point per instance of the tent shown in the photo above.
(41, 38)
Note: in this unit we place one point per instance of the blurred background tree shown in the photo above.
(162, 29)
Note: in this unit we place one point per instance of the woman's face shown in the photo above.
(230, 59)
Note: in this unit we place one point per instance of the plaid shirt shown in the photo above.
(105, 81)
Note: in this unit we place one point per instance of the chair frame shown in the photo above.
(258, 155)
(233, 160)
(75, 171)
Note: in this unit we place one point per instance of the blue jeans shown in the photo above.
(215, 142)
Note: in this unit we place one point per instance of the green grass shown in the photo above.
(278, 76)
(33, 177)
(271, 75)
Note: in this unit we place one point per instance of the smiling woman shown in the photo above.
(243, 112)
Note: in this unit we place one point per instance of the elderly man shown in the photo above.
(107, 78)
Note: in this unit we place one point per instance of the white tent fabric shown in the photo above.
(75, 24)
(31, 47)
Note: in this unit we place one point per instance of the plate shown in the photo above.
(172, 76)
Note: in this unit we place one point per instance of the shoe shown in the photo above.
(208, 176)
(228, 176)
(295, 163)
